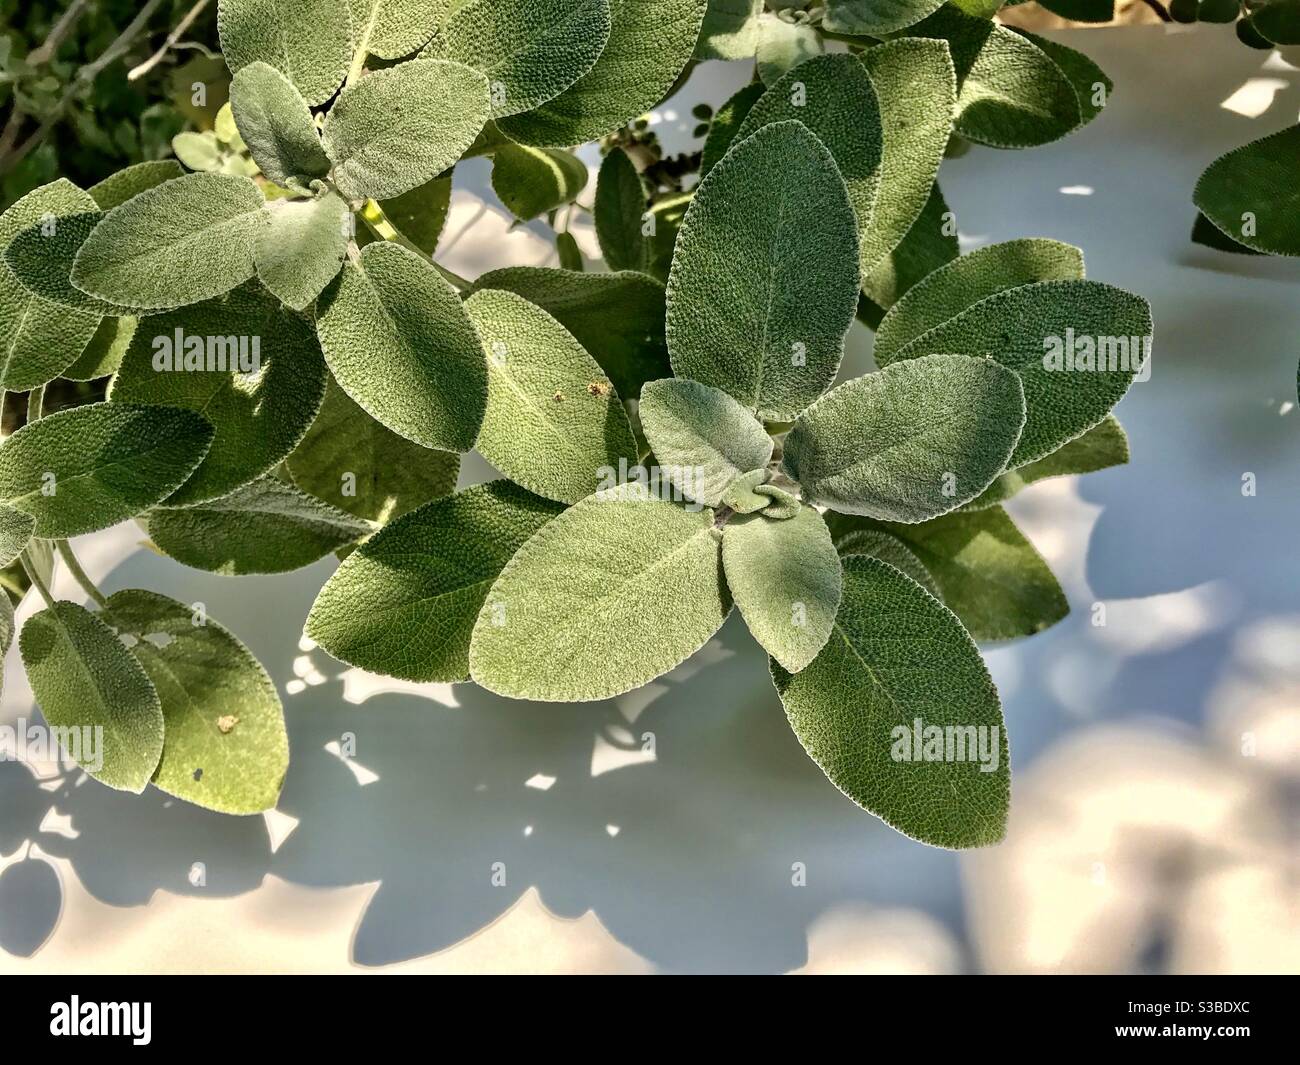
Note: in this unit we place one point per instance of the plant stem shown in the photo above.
(79, 575)
(35, 578)
(58, 33)
(173, 38)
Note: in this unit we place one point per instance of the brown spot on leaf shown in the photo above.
(226, 723)
(558, 397)
(598, 388)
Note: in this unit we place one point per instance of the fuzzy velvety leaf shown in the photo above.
(1091, 85)
(629, 345)
(782, 46)
(1252, 196)
(650, 42)
(702, 437)
(126, 184)
(866, 538)
(391, 29)
(276, 124)
(730, 30)
(421, 214)
(398, 340)
(84, 469)
(621, 206)
(609, 595)
(898, 657)
(224, 741)
(1277, 21)
(875, 18)
(785, 577)
(929, 244)
(908, 446)
(533, 181)
(41, 257)
(302, 247)
(397, 128)
(180, 242)
(1211, 236)
(405, 602)
(265, 527)
(84, 679)
(726, 124)
(554, 422)
(16, 528)
(765, 276)
(263, 390)
(306, 40)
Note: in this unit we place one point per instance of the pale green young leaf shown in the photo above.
(650, 42)
(178, 243)
(16, 529)
(897, 657)
(726, 125)
(421, 214)
(261, 394)
(875, 18)
(391, 29)
(765, 275)
(1025, 329)
(534, 181)
(963, 282)
(876, 543)
(629, 346)
(785, 577)
(621, 208)
(352, 462)
(782, 46)
(553, 422)
(398, 339)
(908, 446)
(730, 30)
(276, 124)
(41, 257)
(302, 247)
(84, 469)
(405, 602)
(224, 742)
(742, 494)
(398, 128)
(200, 151)
(928, 245)
(264, 527)
(1252, 196)
(530, 50)
(126, 184)
(702, 437)
(85, 679)
(614, 592)
(104, 354)
(306, 40)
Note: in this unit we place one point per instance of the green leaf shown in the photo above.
(1010, 92)
(875, 18)
(1092, 87)
(405, 602)
(1251, 194)
(399, 341)
(6, 627)
(621, 209)
(965, 281)
(535, 181)
(650, 42)
(1278, 21)
(261, 394)
(178, 243)
(629, 346)
(917, 91)
(351, 461)
(929, 244)
(1029, 329)
(84, 469)
(702, 437)
(726, 125)
(530, 50)
(609, 595)
(398, 128)
(833, 97)
(898, 657)
(553, 421)
(265, 527)
(126, 184)
(276, 124)
(38, 339)
(307, 40)
(42, 255)
(39, 554)
(199, 151)
(988, 574)
(302, 247)
(1082, 10)
(785, 576)
(16, 529)
(730, 30)
(224, 741)
(84, 679)
(104, 354)
(1211, 236)
(876, 543)
(782, 46)
(421, 214)
(742, 494)
(1101, 447)
(568, 252)
(765, 276)
(391, 29)
(908, 446)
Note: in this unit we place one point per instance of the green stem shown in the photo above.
(35, 578)
(80, 575)
(377, 222)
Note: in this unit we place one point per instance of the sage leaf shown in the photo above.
(276, 124)
(621, 209)
(84, 469)
(399, 341)
(785, 577)
(177, 243)
(251, 368)
(264, 527)
(742, 494)
(730, 31)
(765, 277)
(650, 42)
(782, 46)
(391, 29)
(908, 446)
(302, 247)
(85, 680)
(702, 437)
(421, 214)
(306, 40)
(614, 592)
(876, 543)
(535, 181)
(16, 529)
(554, 423)
(224, 742)
(104, 354)
(1256, 181)
(405, 602)
(1091, 85)
(875, 18)
(398, 128)
(928, 245)
(126, 184)
(727, 123)
(42, 255)
(898, 663)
